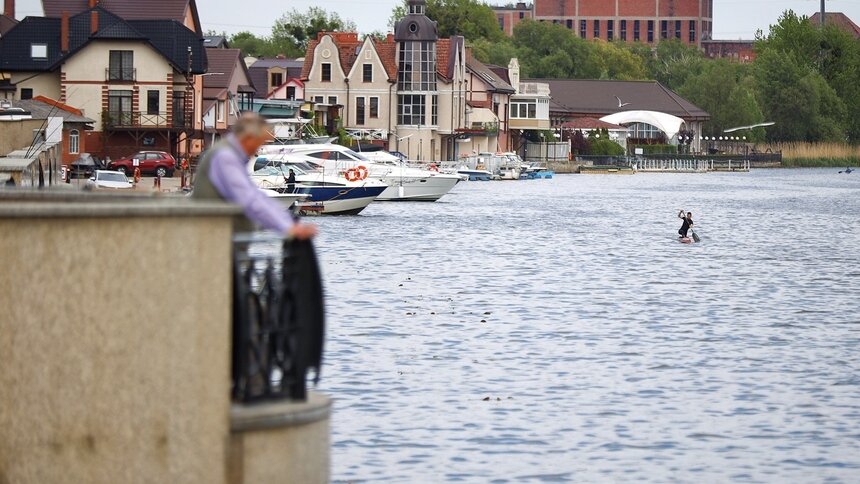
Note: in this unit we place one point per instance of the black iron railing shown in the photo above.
(277, 326)
(125, 74)
(143, 120)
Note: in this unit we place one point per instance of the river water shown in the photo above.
(556, 331)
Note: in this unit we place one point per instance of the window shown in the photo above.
(583, 28)
(434, 112)
(153, 102)
(119, 107)
(692, 31)
(179, 109)
(570, 24)
(522, 15)
(74, 142)
(664, 29)
(597, 29)
(221, 111)
(650, 31)
(677, 29)
(374, 107)
(26, 93)
(416, 9)
(121, 65)
(624, 31)
(326, 72)
(276, 78)
(524, 109)
(636, 31)
(501, 22)
(319, 99)
(367, 72)
(417, 68)
(332, 100)
(359, 111)
(641, 131)
(610, 29)
(291, 93)
(411, 109)
(39, 51)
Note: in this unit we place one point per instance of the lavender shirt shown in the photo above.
(228, 172)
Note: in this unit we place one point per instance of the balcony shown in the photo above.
(120, 74)
(534, 89)
(113, 120)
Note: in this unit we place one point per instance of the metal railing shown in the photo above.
(143, 119)
(125, 74)
(274, 341)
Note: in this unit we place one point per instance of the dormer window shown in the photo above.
(416, 9)
(39, 51)
(326, 72)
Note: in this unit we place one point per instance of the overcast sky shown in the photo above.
(734, 18)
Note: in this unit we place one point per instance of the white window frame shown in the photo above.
(39, 51)
(74, 142)
(220, 110)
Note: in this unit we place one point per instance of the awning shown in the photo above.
(664, 122)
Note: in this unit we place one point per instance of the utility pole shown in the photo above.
(823, 12)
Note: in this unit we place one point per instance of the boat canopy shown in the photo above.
(667, 123)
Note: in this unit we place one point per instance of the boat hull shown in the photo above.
(331, 200)
(426, 189)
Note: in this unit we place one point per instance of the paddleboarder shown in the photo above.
(686, 225)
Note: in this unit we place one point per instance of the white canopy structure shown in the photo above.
(667, 123)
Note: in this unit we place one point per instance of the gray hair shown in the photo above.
(251, 124)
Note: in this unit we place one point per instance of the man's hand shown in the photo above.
(303, 231)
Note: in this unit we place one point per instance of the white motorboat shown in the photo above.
(326, 193)
(286, 198)
(405, 183)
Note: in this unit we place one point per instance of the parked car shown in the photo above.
(157, 163)
(112, 180)
(83, 167)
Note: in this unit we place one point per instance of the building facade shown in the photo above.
(138, 80)
(648, 21)
(409, 91)
(511, 15)
(227, 92)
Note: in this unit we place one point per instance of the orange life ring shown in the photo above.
(433, 167)
(362, 172)
(352, 175)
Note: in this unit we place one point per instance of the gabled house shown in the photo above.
(407, 91)
(292, 90)
(487, 105)
(181, 11)
(227, 91)
(270, 74)
(137, 79)
(74, 124)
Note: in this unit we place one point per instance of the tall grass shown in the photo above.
(799, 154)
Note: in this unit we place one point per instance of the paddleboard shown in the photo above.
(686, 240)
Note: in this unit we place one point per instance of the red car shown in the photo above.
(158, 163)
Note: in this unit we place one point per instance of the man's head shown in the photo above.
(689, 214)
(252, 132)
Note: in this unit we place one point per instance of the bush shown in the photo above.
(605, 147)
(655, 149)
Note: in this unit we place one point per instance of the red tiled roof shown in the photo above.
(443, 52)
(59, 105)
(348, 45)
(838, 19)
(222, 66)
(590, 123)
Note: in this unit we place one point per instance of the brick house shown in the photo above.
(138, 78)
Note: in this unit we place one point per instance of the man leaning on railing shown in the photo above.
(222, 174)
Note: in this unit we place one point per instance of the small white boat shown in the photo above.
(404, 182)
(324, 193)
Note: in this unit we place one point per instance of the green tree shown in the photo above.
(295, 29)
(798, 99)
(551, 51)
(250, 44)
(673, 62)
(493, 52)
(472, 19)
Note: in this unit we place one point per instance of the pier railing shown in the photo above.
(274, 342)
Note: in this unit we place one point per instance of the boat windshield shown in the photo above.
(278, 169)
(357, 156)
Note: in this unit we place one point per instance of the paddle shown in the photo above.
(695, 236)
